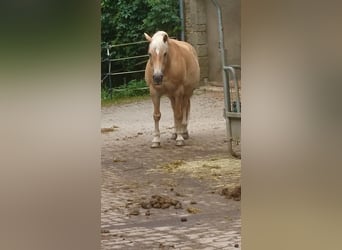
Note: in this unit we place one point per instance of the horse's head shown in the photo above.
(157, 52)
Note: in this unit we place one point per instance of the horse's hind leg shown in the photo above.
(185, 118)
(156, 117)
(178, 116)
(173, 105)
(185, 121)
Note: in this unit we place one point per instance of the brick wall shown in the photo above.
(196, 32)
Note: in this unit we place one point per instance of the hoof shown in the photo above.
(155, 145)
(185, 135)
(180, 143)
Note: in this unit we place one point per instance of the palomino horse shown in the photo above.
(171, 70)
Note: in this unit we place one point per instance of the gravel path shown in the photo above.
(141, 186)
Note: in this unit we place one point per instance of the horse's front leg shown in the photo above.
(156, 117)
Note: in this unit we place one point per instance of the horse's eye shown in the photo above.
(165, 54)
(149, 54)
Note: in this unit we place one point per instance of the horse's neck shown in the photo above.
(173, 53)
(175, 66)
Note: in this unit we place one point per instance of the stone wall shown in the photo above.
(195, 16)
(231, 19)
(201, 30)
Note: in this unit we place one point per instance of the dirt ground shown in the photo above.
(170, 197)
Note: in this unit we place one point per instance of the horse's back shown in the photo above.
(191, 66)
(188, 47)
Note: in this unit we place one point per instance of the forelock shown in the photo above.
(158, 41)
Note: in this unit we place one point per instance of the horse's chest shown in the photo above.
(170, 86)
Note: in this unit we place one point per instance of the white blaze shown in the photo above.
(158, 45)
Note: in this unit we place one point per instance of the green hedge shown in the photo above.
(124, 21)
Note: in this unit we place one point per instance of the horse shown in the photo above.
(171, 70)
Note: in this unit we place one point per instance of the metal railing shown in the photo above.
(109, 60)
(231, 115)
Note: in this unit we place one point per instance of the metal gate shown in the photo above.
(232, 102)
(109, 59)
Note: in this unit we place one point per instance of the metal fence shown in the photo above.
(108, 59)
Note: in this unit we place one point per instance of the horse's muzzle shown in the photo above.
(158, 78)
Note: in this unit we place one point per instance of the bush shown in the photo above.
(124, 21)
(132, 89)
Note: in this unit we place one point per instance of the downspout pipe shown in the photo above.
(181, 15)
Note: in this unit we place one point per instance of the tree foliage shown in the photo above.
(125, 21)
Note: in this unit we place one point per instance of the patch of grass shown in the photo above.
(133, 91)
(124, 100)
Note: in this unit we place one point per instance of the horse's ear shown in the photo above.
(148, 38)
(165, 38)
